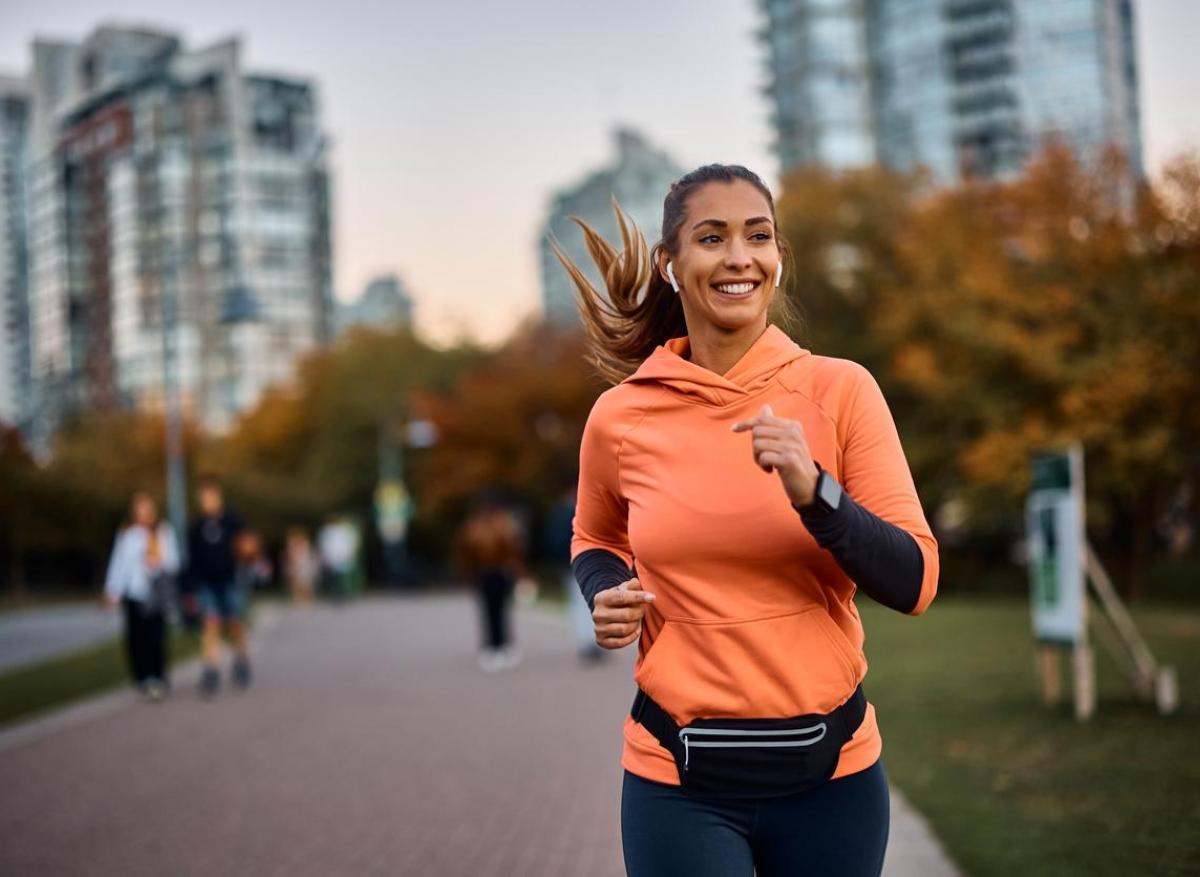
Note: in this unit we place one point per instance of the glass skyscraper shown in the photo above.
(962, 87)
(160, 175)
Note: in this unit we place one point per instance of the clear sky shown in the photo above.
(452, 121)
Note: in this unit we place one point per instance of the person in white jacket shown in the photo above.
(144, 560)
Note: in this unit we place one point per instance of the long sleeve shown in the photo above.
(600, 552)
(876, 476)
(596, 570)
(883, 560)
(116, 578)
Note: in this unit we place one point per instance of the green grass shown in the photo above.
(1014, 787)
(26, 691)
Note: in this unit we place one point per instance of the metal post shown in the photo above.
(176, 477)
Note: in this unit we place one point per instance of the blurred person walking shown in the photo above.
(708, 533)
(212, 576)
(140, 580)
(301, 566)
(558, 544)
(491, 553)
(338, 544)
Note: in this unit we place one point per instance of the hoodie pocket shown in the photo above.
(774, 667)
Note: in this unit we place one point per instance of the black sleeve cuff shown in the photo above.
(598, 570)
(882, 559)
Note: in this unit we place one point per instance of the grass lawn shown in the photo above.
(58, 681)
(1013, 787)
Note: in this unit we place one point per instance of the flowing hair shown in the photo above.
(641, 310)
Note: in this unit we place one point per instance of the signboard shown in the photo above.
(393, 510)
(1054, 527)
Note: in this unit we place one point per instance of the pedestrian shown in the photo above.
(491, 553)
(338, 543)
(736, 490)
(212, 573)
(558, 544)
(140, 576)
(301, 566)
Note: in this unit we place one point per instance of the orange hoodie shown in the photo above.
(752, 619)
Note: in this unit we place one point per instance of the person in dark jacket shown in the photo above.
(212, 575)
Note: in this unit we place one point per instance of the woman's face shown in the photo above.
(727, 257)
(144, 512)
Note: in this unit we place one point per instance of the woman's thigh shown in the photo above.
(839, 829)
(665, 833)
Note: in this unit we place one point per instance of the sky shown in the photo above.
(452, 122)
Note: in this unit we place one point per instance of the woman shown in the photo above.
(490, 551)
(140, 576)
(301, 565)
(735, 492)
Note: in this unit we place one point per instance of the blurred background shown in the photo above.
(303, 249)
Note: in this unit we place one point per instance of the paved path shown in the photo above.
(31, 635)
(370, 744)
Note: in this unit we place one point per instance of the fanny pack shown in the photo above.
(753, 758)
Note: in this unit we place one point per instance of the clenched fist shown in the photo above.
(618, 614)
(780, 446)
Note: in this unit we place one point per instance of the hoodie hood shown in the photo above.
(669, 365)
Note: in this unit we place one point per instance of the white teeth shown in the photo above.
(735, 288)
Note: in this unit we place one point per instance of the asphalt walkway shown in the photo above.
(370, 744)
(31, 635)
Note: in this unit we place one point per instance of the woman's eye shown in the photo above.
(761, 236)
(710, 239)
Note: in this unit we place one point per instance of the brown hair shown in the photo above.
(641, 311)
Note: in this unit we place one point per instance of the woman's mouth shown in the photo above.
(741, 289)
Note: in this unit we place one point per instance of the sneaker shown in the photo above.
(510, 657)
(241, 673)
(154, 689)
(210, 681)
(491, 660)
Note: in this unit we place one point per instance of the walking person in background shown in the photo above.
(140, 576)
(558, 544)
(735, 492)
(338, 543)
(212, 575)
(491, 553)
(301, 566)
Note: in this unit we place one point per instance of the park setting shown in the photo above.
(286, 575)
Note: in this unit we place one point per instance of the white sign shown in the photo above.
(1054, 525)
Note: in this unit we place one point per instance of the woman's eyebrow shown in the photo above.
(720, 223)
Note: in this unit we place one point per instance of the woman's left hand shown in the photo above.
(780, 446)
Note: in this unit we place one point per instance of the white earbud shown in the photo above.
(779, 274)
(671, 277)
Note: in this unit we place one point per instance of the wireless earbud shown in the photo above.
(779, 274)
(671, 277)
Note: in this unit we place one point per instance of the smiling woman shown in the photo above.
(707, 532)
(640, 308)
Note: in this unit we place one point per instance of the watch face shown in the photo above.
(829, 492)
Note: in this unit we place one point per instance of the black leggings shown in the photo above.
(145, 642)
(495, 590)
(838, 829)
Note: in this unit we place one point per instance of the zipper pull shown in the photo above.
(686, 752)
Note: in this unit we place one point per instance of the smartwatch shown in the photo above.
(827, 495)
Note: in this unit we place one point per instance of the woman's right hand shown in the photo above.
(618, 614)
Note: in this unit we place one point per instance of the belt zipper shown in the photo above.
(749, 739)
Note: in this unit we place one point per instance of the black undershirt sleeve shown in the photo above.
(883, 560)
(598, 570)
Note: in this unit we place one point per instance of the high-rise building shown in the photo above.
(14, 287)
(171, 187)
(962, 87)
(384, 303)
(639, 180)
